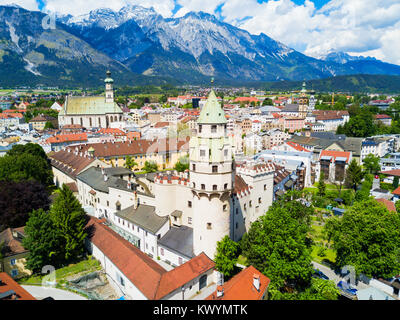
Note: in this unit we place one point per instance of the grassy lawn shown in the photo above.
(242, 260)
(330, 255)
(80, 268)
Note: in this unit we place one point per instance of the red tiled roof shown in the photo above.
(12, 245)
(161, 124)
(395, 173)
(9, 283)
(113, 131)
(241, 287)
(134, 147)
(388, 204)
(246, 99)
(146, 274)
(396, 192)
(297, 147)
(335, 154)
(382, 116)
(72, 137)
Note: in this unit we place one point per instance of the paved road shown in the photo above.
(57, 294)
(335, 277)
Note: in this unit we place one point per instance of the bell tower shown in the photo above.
(211, 178)
(109, 88)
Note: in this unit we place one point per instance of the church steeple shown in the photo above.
(212, 113)
(109, 87)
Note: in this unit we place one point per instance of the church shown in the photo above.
(175, 216)
(92, 111)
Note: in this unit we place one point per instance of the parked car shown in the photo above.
(319, 274)
(344, 286)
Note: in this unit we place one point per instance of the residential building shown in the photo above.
(248, 284)
(14, 254)
(11, 290)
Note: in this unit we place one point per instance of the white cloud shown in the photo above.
(26, 4)
(78, 7)
(355, 26)
(208, 6)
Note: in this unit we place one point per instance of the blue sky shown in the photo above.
(314, 27)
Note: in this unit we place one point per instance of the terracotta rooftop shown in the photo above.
(388, 204)
(12, 241)
(73, 137)
(69, 162)
(296, 146)
(133, 147)
(335, 154)
(395, 173)
(241, 286)
(8, 285)
(146, 274)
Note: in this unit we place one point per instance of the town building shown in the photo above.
(11, 290)
(13, 253)
(92, 111)
(248, 284)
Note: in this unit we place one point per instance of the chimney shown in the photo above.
(105, 177)
(256, 281)
(220, 291)
(136, 201)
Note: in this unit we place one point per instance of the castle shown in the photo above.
(176, 216)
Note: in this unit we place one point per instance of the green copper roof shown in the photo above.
(89, 105)
(212, 111)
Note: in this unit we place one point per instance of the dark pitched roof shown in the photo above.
(95, 179)
(144, 216)
(180, 240)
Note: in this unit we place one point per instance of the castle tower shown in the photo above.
(109, 88)
(303, 102)
(211, 178)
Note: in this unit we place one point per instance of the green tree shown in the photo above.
(130, 163)
(182, 165)
(226, 257)
(277, 245)
(395, 182)
(25, 167)
(29, 148)
(267, 102)
(150, 166)
(48, 125)
(368, 238)
(69, 220)
(371, 164)
(353, 175)
(321, 184)
(41, 241)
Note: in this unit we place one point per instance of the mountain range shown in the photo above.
(141, 47)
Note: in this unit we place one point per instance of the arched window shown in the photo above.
(81, 122)
(118, 206)
(90, 122)
(72, 120)
(215, 187)
(99, 122)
